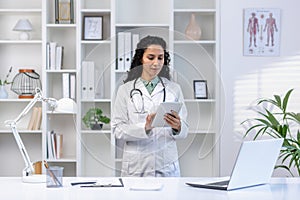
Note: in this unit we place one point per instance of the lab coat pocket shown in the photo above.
(131, 165)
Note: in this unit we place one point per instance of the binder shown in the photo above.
(59, 57)
(91, 81)
(66, 85)
(53, 55)
(73, 86)
(121, 49)
(127, 47)
(48, 56)
(59, 145)
(84, 80)
(135, 41)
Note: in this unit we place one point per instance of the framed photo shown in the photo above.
(200, 89)
(64, 11)
(92, 28)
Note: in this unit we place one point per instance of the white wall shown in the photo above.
(246, 78)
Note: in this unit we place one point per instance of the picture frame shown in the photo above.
(92, 28)
(200, 89)
(64, 11)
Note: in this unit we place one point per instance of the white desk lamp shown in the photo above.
(28, 172)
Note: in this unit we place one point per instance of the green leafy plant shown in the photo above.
(5, 81)
(94, 116)
(274, 120)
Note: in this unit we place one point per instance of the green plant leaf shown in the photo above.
(286, 99)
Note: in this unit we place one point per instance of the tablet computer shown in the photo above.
(165, 107)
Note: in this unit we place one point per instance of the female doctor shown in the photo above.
(149, 151)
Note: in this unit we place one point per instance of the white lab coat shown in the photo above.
(154, 154)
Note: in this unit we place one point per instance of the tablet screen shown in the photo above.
(164, 108)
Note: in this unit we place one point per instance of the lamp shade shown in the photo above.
(25, 83)
(23, 25)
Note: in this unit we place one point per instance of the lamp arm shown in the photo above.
(13, 125)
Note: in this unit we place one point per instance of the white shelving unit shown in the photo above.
(97, 153)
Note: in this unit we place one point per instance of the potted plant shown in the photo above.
(274, 120)
(94, 119)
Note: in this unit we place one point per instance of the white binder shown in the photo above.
(91, 81)
(84, 80)
(53, 55)
(66, 85)
(121, 49)
(127, 47)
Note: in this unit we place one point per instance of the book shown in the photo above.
(59, 145)
(38, 119)
(50, 152)
(33, 118)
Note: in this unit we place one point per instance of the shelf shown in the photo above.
(95, 42)
(71, 159)
(14, 11)
(142, 25)
(15, 100)
(202, 131)
(195, 10)
(86, 11)
(59, 113)
(194, 42)
(61, 25)
(200, 100)
(95, 131)
(22, 131)
(20, 41)
(97, 101)
(62, 71)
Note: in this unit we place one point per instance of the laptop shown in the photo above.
(254, 166)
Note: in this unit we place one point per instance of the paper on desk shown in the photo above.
(146, 185)
(109, 181)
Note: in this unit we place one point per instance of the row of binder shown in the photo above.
(54, 56)
(126, 45)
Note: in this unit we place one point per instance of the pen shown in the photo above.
(52, 174)
(83, 183)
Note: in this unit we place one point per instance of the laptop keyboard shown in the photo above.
(221, 183)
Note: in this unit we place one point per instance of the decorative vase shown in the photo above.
(193, 30)
(3, 92)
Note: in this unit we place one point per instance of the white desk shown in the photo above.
(12, 188)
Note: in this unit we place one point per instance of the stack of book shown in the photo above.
(54, 145)
(35, 119)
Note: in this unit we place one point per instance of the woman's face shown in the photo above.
(153, 60)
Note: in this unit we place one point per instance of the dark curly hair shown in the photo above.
(136, 67)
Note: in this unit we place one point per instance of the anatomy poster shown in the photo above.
(261, 32)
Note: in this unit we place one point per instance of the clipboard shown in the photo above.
(165, 107)
(104, 183)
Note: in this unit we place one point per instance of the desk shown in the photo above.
(12, 188)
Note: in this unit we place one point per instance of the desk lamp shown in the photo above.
(28, 171)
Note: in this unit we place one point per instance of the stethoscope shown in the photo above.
(137, 98)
